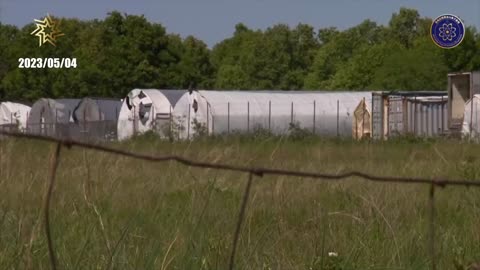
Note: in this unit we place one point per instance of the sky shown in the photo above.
(214, 20)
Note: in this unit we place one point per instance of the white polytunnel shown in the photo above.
(96, 119)
(14, 115)
(51, 116)
(97, 109)
(146, 109)
(218, 112)
(471, 118)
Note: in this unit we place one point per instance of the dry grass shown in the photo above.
(110, 212)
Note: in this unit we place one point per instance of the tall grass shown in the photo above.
(111, 212)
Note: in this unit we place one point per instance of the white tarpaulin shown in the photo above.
(471, 118)
(14, 114)
(143, 109)
(325, 113)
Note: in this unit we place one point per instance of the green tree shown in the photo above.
(464, 57)
(339, 49)
(422, 68)
(405, 26)
(232, 77)
(359, 72)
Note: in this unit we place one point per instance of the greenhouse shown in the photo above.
(278, 112)
(13, 116)
(51, 117)
(146, 109)
(96, 118)
(97, 109)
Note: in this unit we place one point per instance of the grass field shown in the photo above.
(111, 212)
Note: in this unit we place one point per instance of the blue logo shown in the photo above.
(447, 31)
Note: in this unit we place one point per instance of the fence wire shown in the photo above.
(251, 171)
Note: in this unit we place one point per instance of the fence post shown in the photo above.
(228, 117)
(476, 119)
(338, 117)
(134, 120)
(364, 109)
(415, 116)
(291, 115)
(427, 122)
(208, 120)
(248, 116)
(26, 122)
(84, 123)
(56, 123)
(241, 216)
(170, 122)
(213, 124)
(314, 115)
(269, 115)
(432, 226)
(471, 114)
(188, 124)
(356, 127)
(442, 113)
(42, 123)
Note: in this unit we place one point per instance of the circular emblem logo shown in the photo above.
(447, 31)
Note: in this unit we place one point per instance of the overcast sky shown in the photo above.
(214, 20)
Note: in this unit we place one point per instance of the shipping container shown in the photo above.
(418, 113)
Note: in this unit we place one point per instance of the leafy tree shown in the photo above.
(465, 56)
(124, 51)
(405, 26)
(334, 55)
(359, 72)
(232, 77)
(422, 68)
(195, 65)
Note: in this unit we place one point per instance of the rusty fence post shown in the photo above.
(48, 198)
(241, 217)
(432, 226)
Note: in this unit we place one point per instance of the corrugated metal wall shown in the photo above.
(426, 117)
(396, 115)
(377, 116)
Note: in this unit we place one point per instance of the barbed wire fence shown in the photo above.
(252, 172)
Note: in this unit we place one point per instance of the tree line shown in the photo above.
(123, 52)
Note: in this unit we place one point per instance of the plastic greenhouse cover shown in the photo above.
(11, 113)
(325, 113)
(472, 111)
(139, 110)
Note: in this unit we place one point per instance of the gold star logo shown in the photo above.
(47, 31)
